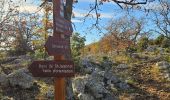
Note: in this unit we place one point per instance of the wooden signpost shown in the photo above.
(58, 46)
(52, 68)
(61, 25)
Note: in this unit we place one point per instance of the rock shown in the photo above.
(98, 76)
(87, 70)
(82, 96)
(163, 65)
(3, 80)
(50, 93)
(135, 56)
(167, 75)
(114, 79)
(78, 84)
(122, 85)
(155, 59)
(109, 97)
(110, 77)
(69, 90)
(97, 89)
(106, 65)
(20, 78)
(122, 66)
(7, 98)
(87, 66)
(161, 50)
(108, 74)
(112, 88)
(151, 48)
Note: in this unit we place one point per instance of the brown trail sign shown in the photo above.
(57, 46)
(61, 25)
(52, 68)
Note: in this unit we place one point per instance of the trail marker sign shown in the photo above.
(61, 25)
(52, 68)
(57, 46)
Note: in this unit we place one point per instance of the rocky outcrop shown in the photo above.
(122, 66)
(3, 80)
(164, 67)
(99, 84)
(82, 96)
(151, 48)
(20, 78)
(50, 94)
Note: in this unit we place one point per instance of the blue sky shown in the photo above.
(107, 11)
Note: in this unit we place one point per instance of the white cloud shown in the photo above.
(82, 13)
(76, 21)
(106, 15)
(86, 0)
(29, 8)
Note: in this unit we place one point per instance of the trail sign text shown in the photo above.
(52, 68)
(55, 46)
(61, 25)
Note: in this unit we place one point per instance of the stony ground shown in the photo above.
(146, 77)
(147, 81)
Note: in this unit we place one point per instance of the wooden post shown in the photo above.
(58, 8)
(60, 93)
(59, 84)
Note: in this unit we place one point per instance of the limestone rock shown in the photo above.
(163, 65)
(78, 84)
(69, 90)
(3, 80)
(98, 76)
(107, 65)
(151, 48)
(97, 89)
(82, 96)
(122, 66)
(20, 78)
(109, 97)
(50, 93)
(122, 85)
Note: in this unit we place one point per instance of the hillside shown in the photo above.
(139, 76)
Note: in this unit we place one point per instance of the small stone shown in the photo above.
(82, 96)
(123, 85)
(163, 65)
(151, 48)
(109, 97)
(3, 80)
(97, 89)
(122, 66)
(50, 93)
(78, 84)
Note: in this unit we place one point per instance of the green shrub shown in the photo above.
(165, 43)
(159, 39)
(37, 54)
(167, 50)
(142, 43)
(167, 58)
(156, 52)
(77, 43)
(151, 42)
(131, 49)
(105, 58)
